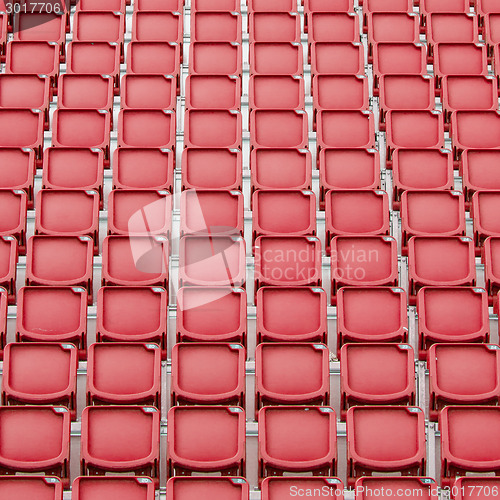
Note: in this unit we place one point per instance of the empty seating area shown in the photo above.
(249, 249)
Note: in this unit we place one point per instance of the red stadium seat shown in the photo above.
(213, 488)
(467, 487)
(276, 58)
(484, 209)
(393, 27)
(335, 92)
(159, 5)
(139, 212)
(40, 374)
(485, 7)
(211, 212)
(490, 256)
(363, 261)
(105, 443)
(273, 488)
(208, 373)
(339, 58)
(148, 92)
(215, 58)
(35, 439)
(332, 27)
(121, 318)
(374, 374)
(216, 5)
(291, 373)
(73, 169)
(414, 129)
(451, 27)
(431, 6)
(451, 314)
(387, 6)
(26, 91)
(406, 92)
(385, 439)
(135, 261)
(156, 172)
(328, 5)
(274, 27)
(421, 170)
(371, 314)
(146, 128)
(53, 314)
(90, 58)
(460, 59)
(82, 128)
(212, 260)
(206, 439)
(22, 128)
(212, 129)
(291, 313)
(13, 206)
(127, 488)
(345, 129)
(469, 92)
(432, 213)
(102, 5)
(491, 23)
(95, 26)
(284, 213)
(398, 59)
(60, 261)
(33, 58)
(216, 27)
(287, 261)
(475, 129)
(157, 26)
(199, 316)
(211, 168)
(281, 169)
(423, 487)
(276, 92)
(264, 6)
(123, 373)
(85, 92)
(17, 168)
(279, 128)
(363, 171)
(468, 441)
(451, 385)
(297, 439)
(8, 262)
(68, 213)
(356, 212)
(440, 261)
(213, 92)
(479, 171)
(155, 58)
(25, 487)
